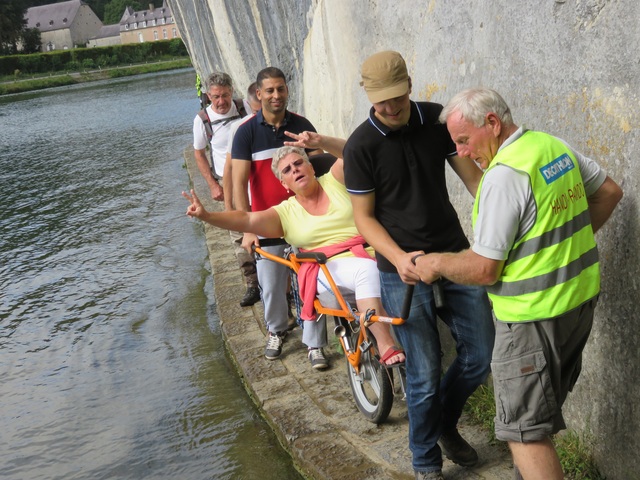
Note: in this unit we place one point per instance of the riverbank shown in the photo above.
(313, 413)
(39, 83)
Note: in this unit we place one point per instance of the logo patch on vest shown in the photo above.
(557, 168)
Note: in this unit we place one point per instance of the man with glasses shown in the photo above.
(211, 129)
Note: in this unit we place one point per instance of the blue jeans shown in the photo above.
(434, 403)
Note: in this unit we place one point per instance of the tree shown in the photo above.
(98, 8)
(114, 10)
(31, 40)
(12, 23)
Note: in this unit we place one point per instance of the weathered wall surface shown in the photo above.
(568, 67)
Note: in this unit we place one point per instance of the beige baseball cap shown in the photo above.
(384, 76)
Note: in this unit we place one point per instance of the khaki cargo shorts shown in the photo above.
(534, 366)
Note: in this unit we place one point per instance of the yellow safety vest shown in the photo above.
(554, 267)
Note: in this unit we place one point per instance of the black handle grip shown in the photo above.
(272, 242)
(438, 293)
(319, 257)
(406, 305)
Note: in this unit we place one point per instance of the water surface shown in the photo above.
(111, 359)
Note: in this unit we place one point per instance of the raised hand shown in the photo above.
(195, 209)
(310, 140)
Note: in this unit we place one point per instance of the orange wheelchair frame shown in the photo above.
(371, 382)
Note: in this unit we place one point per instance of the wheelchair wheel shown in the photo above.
(372, 388)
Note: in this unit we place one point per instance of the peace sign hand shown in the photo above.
(195, 209)
(306, 139)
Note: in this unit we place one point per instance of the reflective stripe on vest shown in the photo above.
(554, 267)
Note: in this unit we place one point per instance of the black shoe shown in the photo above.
(457, 449)
(251, 296)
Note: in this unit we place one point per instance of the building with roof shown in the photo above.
(64, 25)
(148, 25)
(108, 35)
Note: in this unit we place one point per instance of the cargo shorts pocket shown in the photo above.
(523, 390)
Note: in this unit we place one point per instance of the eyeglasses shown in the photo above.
(214, 97)
(287, 170)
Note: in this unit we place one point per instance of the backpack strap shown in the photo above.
(240, 107)
(208, 124)
(225, 120)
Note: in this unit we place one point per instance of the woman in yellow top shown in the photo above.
(318, 216)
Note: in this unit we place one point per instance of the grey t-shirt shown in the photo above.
(508, 207)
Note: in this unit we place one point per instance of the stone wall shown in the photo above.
(568, 67)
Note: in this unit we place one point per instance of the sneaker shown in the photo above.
(457, 449)
(274, 346)
(437, 475)
(251, 296)
(317, 359)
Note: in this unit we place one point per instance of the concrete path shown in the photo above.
(313, 413)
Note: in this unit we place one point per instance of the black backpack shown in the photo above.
(208, 124)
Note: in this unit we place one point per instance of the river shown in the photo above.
(111, 359)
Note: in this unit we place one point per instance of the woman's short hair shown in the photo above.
(282, 152)
(475, 103)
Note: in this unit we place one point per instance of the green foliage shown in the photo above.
(29, 63)
(481, 410)
(114, 10)
(145, 51)
(12, 24)
(59, 60)
(72, 66)
(98, 8)
(31, 40)
(177, 48)
(148, 68)
(103, 60)
(576, 457)
(60, 80)
(36, 84)
(88, 63)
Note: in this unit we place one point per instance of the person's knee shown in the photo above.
(477, 361)
(481, 371)
(423, 373)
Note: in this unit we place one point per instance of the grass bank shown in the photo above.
(9, 85)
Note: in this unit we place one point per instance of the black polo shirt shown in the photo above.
(405, 169)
